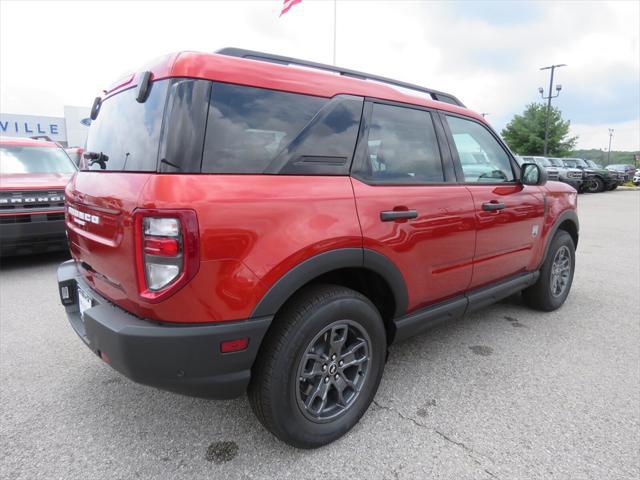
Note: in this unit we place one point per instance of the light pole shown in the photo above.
(484, 114)
(609, 152)
(548, 98)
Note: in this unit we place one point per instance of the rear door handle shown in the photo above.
(492, 206)
(392, 215)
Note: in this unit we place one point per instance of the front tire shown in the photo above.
(556, 275)
(319, 366)
(595, 185)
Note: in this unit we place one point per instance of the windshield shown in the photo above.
(575, 162)
(543, 162)
(593, 164)
(23, 159)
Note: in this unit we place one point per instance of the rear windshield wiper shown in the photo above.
(99, 158)
(167, 162)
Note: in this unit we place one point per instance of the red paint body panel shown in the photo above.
(34, 181)
(560, 198)
(255, 73)
(434, 252)
(253, 229)
(505, 238)
(27, 142)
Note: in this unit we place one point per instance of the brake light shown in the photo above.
(166, 247)
(167, 251)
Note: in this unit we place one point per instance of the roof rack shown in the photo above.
(270, 58)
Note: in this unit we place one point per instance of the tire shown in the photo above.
(289, 391)
(613, 187)
(544, 294)
(595, 185)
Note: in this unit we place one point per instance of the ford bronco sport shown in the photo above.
(33, 175)
(244, 224)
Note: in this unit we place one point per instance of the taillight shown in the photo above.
(167, 251)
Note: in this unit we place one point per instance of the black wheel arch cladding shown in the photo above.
(326, 262)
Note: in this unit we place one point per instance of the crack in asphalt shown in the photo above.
(471, 452)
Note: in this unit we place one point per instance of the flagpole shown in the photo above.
(335, 6)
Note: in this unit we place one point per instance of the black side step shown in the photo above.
(428, 317)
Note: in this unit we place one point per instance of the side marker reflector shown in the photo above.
(236, 345)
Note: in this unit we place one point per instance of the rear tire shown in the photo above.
(556, 275)
(319, 366)
(613, 187)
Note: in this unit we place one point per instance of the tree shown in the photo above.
(525, 133)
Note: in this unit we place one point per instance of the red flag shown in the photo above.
(287, 5)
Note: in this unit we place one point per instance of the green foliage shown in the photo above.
(600, 156)
(525, 133)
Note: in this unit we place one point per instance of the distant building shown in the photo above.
(70, 130)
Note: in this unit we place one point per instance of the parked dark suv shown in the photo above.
(597, 179)
(243, 223)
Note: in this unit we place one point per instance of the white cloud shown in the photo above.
(57, 53)
(626, 135)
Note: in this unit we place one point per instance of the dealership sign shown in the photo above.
(12, 125)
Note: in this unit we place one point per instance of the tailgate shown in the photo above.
(99, 213)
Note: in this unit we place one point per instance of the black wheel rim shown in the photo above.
(593, 186)
(560, 271)
(332, 371)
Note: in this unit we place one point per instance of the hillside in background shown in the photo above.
(600, 156)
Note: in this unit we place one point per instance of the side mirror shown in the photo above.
(533, 174)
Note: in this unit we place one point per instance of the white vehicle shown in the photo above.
(556, 170)
(544, 162)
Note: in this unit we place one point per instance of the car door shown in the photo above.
(409, 206)
(509, 215)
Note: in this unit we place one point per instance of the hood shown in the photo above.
(34, 181)
(596, 170)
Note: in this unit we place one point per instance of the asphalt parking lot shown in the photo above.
(505, 393)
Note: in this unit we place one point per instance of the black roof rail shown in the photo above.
(270, 58)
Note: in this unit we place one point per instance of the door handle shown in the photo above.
(492, 206)
(392, 215)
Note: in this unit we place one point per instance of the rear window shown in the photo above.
(127, 133)
(219, 128)
(17, 159)
(248, 127)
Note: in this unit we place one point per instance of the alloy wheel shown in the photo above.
(560, 271)
(332, 371)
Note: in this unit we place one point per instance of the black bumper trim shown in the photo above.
(37, 234)
(184, 359)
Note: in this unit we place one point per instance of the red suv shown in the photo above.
(246, 224)
(33, 175)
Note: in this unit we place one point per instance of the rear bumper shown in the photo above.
(184, 359)
(37, 234)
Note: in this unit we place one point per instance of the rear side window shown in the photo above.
(127, 133)
(483, 159)
(402, 147)
(248, 127)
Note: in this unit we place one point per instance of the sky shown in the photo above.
(487, 53)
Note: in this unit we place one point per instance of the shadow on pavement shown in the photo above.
(34, 260)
